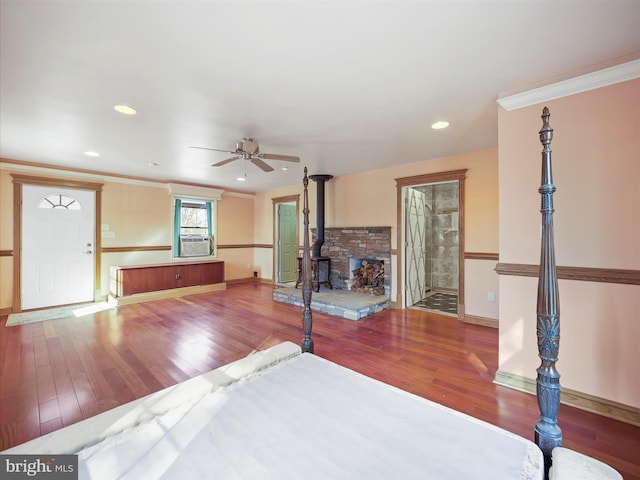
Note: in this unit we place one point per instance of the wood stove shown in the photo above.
(320, 266)
(320, 273)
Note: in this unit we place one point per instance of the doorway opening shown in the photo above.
(285, 252)
(432, 236)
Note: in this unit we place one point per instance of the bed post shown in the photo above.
(547, 432)
(307, 342)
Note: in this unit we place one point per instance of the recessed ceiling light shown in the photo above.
(90, 153)
(241, 179)
(125, 109)
(152, 164)
(439, 125)
(284, 169)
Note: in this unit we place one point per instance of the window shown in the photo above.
(59, 201)
(193, 228)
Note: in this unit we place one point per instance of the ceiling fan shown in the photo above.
(248, 149)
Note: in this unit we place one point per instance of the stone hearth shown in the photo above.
(339, 303)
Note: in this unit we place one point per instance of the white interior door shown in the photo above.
(58, 246)
(415, 247)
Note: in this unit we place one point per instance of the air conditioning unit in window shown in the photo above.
(194, 246)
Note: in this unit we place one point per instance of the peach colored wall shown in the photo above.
(235, 214)
(596, 168)
(481, 208)
(235, 227)
(481, 236)
(481, 280)
(238, 263)
(139, 215)
(349, 204)
(364, 199)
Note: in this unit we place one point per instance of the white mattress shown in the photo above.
(304, 417)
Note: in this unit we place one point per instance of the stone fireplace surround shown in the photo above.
(364, 243)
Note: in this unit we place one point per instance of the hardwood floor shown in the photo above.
(58, 372)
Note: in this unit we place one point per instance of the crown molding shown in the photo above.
(583, 83)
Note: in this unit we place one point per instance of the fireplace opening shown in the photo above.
(367, 275)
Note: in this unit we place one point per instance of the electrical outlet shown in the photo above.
(248, 265)
(492, 297)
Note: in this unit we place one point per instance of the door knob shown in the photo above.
(88, 252)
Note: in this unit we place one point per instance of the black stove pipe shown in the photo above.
(317, 245)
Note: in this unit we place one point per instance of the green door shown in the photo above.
(287, 245)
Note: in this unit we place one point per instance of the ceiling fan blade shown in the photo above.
(224, 162)
(286, 158)
(214, 149)
(264, 166)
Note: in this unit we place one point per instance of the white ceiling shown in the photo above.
(347, 86)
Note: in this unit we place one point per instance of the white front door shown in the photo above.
(58, 246)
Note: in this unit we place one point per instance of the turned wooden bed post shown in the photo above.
(547, 432)
(307, 342)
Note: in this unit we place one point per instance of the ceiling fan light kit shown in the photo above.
(248, 149)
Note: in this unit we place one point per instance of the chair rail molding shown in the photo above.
(585, 274)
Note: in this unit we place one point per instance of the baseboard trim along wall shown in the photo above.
(484, 321)
(241, 280)
(573, 398)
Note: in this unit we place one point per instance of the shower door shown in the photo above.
(415, 245)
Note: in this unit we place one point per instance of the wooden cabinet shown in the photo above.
(150, 278)
(212, 273)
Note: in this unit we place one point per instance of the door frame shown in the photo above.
(448, 176)
(18, 181)
(276, 240)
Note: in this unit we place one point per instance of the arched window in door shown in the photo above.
(60, 201)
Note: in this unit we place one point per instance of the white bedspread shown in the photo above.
(309, 418)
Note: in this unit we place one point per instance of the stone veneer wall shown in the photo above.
(442, 235)
(342, 243)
